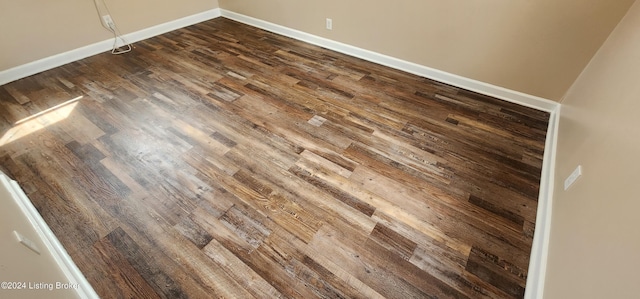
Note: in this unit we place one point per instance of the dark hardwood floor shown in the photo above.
(220, 160)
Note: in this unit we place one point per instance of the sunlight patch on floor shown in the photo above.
(39, 121)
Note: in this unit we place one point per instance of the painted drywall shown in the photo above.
(594, 245)
(34, 29)
(536, 47)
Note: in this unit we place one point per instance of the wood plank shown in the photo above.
(130, 283)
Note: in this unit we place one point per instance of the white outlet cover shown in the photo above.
(26, 242)
(573, 177)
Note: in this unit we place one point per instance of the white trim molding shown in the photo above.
(410, 67)
(54, 61)
(539, 251)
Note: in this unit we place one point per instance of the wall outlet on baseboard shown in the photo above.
(573, 177)
(329, 24)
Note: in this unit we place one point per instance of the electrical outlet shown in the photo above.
(108, 21)
(329, 24)
(573, 177)
(26, 242)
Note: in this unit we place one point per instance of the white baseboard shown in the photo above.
(410, 67)
(539, 251)
(54, 61)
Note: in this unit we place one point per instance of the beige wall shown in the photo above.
(536, 47)
(35, 29)
(595, 231)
